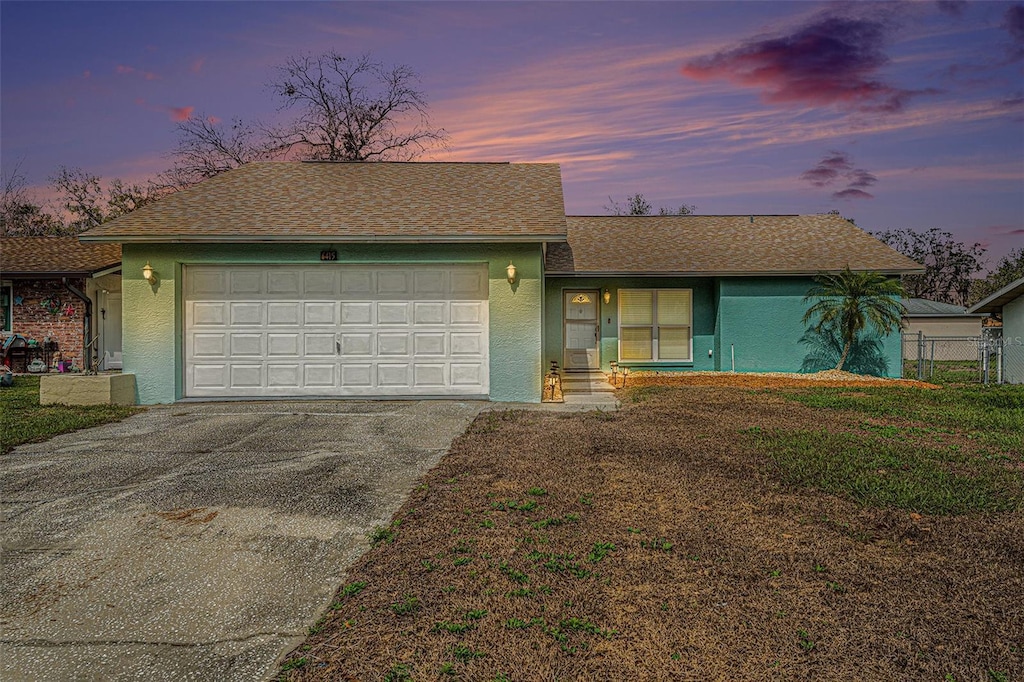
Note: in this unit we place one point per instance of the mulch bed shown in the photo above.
(717, 572)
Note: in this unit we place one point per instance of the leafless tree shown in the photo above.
(352, 110)
(20, 213)
(206, 148)
(87, 202)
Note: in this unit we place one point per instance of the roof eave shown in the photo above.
(706, 273)
(995, 302)
(322, 239)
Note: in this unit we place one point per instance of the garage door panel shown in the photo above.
(357, 343)
(320, 375)
(392, 343)
(243, 314)
(245, 282)
(393, 313)
(284, 375)
(284, 282)
(464, 312)
(357, 376)
(319, 345)
(209, 313)
(358, 312)
(283, 345)
(210, 345)
(393, 375)
(321, 313)
(247, 344)
(283, 314)
(246, 376)
(428, 376)
(335, 329)
(320, 282)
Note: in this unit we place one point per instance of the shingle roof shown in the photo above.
(55, 256)
(995, 302)
(720, 245)
(296, 201)
(922, 307)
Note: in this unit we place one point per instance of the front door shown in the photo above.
(582, 330)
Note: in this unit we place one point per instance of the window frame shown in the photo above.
(7, 291)
(656, 327)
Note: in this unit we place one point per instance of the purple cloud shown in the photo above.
(836, 166)
(829, 61)
(954, 8)
(1013, 22)
(850, 193)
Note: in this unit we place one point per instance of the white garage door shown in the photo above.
(335, 329)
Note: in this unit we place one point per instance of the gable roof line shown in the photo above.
(999, 298)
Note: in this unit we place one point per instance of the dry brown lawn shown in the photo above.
(657, 544)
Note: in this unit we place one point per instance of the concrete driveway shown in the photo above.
(198, 541)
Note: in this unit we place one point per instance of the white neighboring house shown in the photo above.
(943, 320)
(1008, 303)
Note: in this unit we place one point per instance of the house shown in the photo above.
(935, 319)
(61, 289)
(452, 279)
(1008, 303)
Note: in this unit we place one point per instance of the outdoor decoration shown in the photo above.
(51, 304)
(18, 300)
(69, 310)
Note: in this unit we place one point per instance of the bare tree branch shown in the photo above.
(353, 110)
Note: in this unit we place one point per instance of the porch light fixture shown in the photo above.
(511, 272)
(147, 273)
(607, 296)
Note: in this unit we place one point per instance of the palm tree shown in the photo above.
(849, 301)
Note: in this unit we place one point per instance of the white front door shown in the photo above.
(336, 330)
(110, 331)
(582, 329)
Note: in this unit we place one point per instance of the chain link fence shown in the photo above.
(963, 359)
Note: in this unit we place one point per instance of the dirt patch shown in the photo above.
(830, 378)
(189, 517)
(656, 544)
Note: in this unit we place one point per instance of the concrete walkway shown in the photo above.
(198, 541)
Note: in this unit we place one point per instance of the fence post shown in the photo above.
(920, 355)
(985, 357)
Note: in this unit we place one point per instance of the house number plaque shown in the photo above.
(329, 255)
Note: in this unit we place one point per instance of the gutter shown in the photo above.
(714, 273)
(86, 324)
(325, 239)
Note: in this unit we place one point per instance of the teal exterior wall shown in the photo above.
(152, 315)
(758, 318)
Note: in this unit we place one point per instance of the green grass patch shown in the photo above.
(881, 472)
(992, 415)
(24, 420)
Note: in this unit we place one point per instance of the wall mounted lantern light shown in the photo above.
(607, 296)
(511, 272)
(147, 273)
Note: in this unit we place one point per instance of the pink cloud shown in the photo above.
(850, 193)
(176, 114)
(197, 65)
(132, 71)
(214, 119)
(828, 61)
(87, 74)
(180, 113)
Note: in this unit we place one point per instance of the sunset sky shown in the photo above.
(896, 114)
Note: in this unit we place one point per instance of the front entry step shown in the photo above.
(587, 383)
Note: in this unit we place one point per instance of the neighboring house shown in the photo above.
(943, 320)
(452, 279)
(1008, 303)
(64, 290)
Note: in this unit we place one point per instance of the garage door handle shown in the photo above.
(337, 347)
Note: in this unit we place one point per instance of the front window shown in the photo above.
(5, 308)
(655, 325)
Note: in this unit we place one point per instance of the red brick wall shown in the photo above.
(33, 321)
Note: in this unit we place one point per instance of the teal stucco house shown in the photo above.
(451, 280)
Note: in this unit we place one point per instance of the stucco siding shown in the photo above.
(152, 331)
(1013, 341)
